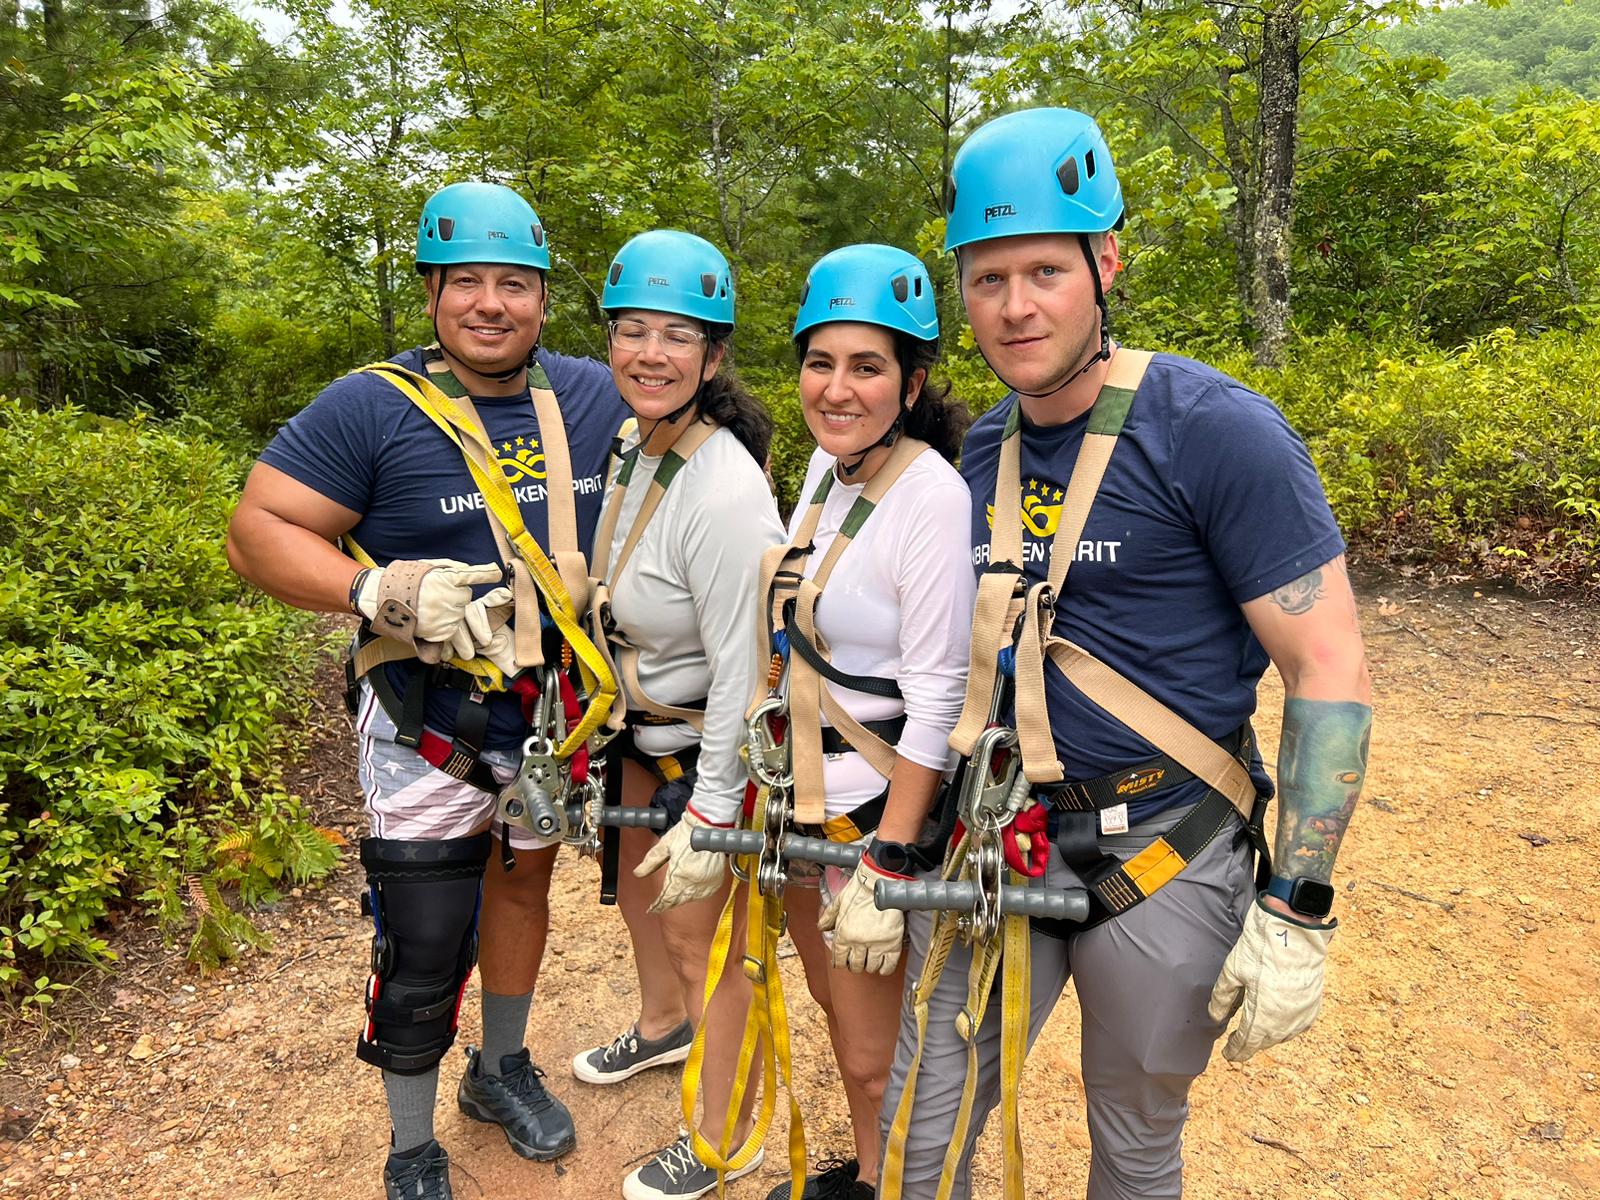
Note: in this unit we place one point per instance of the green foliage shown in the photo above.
(1488, 456)
(1497, 49)
(144, 688)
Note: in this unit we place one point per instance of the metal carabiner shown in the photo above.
(766, 755)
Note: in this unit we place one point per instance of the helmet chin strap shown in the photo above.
(892, 434)
(1101, 355)
(691, 402)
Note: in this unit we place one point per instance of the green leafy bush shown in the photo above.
(1488, 455)
(145, 689)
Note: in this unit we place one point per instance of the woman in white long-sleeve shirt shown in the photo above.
(896, 606)
(680, 581)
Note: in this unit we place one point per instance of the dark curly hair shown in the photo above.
(724, 400)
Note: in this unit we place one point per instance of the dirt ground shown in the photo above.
(1458, 1052)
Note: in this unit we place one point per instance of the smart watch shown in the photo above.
(895, 857)
(1308, 897)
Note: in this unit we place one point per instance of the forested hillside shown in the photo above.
(1386, 219)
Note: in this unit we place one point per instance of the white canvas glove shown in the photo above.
(1273, 978)
(436, 607)
(499, 645)
(691, 874)
(865, 937)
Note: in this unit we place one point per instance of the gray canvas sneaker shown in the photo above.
(676, 1174)
(628, 1054)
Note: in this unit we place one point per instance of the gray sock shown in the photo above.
(411, 1100)
(505, 1027)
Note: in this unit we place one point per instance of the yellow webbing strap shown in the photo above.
(444, 412)
(945, 930)
(766, 1031)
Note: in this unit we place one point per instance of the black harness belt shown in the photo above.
(1116, 886)
(834, 742)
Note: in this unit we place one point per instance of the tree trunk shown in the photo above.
(1274, 200)
(380, 237)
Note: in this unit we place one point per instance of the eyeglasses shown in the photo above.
(676, 341)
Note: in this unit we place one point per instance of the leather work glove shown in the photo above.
(497, 644)
(865, 938)
(430, 600)
(691, 874)
(1273, 978)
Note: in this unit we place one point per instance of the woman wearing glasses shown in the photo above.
(687, 516)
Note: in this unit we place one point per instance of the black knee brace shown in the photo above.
(423, 898)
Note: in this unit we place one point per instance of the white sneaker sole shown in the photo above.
(632, 1189)
(583, 1071)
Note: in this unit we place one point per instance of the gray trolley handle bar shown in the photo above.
(915, 895)
(625, 816)
(532, 808)
(750, 841)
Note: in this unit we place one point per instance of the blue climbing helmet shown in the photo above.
(1042, 170)
(669, 271)
(480, 223)
(873, 284)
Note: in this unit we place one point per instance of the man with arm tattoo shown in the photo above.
(1207, 549)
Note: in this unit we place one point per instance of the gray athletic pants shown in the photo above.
(1143, 981)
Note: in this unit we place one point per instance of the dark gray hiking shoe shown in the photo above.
(423, 1174)
(537, 1125)
(628, 1054)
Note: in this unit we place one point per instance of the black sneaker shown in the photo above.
(628, 1054)
(676, 1174)
(423, 1174)
(835, 1180)
(537, 1125)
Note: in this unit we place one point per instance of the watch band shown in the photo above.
(1308, 897)
(896, 858)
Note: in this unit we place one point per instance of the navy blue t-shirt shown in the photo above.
(362, 444)
(1210, 500)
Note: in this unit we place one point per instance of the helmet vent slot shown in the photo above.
(901, 289)
(447, 228)
(538, 235)
(1088, 164)
(916, 286)
(949, 195)
(708, 284)
(805, 292)
(616, 272)
(1067, 176)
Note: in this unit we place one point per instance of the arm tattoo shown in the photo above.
(1322, 761)
(1298, 595)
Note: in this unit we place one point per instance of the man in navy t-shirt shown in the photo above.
(1208, 550)
(365, 464)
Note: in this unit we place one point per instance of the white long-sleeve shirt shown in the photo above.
(685, 601)
(897, 605)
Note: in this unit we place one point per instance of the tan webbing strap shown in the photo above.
(1156, 723)
(608, 577)
(807, 688)
(561, 506)
(995, 613)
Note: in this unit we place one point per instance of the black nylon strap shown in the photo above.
(889, 730)
(872, 685)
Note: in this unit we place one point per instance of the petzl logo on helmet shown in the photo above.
(842, 302)
(658, 281)
(495, 235)
(998, 210)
